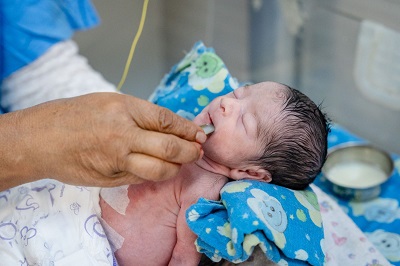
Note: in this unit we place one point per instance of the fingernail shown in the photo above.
(201, 154)
(201, 137)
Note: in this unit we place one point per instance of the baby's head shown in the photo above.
(267, 131)
(296, 144)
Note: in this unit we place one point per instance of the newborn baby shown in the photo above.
(267, 132)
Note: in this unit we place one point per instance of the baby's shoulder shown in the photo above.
(204, 187)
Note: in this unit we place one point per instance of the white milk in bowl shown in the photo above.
(356, 174)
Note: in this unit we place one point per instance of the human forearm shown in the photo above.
(14, 167)
(100, 139)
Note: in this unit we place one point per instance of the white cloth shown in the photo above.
(59, 73)
(51, 223)
(345, 243)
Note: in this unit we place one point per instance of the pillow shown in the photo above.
(192, 83)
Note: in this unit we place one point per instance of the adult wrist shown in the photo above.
(15, 164)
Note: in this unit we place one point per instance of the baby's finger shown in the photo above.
(149, 168)
(165, 147)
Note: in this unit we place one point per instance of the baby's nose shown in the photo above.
(228, 105)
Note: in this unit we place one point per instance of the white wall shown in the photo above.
(171, 28)
(222, 24)
(328, 67)
(323, 60)
(107, 46)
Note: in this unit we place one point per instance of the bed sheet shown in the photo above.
(378, 218)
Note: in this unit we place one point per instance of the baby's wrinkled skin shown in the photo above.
(154, 226)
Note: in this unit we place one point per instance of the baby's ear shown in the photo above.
(253, 172)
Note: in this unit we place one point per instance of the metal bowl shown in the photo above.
(357, 171)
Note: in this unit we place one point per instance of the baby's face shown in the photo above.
(240, 118)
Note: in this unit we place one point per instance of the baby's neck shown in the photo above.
(212, 167)
(201, 170)
(204, 171)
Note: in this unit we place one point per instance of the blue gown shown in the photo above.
(28, 28)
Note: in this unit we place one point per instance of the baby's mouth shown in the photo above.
(209, 127)
(211, 121)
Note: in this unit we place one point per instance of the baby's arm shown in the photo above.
(185, 252)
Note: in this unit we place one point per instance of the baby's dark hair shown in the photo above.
(296, 148)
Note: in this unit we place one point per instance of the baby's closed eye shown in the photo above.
(250, 124)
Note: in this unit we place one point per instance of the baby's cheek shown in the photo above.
(218, 154)
(210, 151)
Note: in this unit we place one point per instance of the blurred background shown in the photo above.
(342, 53)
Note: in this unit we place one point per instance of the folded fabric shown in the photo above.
(344, 242)
(286, 224)
(31, 27)
(192, 83)
(47, 222)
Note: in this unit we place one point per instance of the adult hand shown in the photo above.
(99, 139)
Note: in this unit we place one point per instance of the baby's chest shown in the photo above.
(155, 205)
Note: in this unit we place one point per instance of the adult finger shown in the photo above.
(150, 168)
(165, 146)
(152, 117)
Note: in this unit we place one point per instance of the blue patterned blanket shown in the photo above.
(285, 224)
